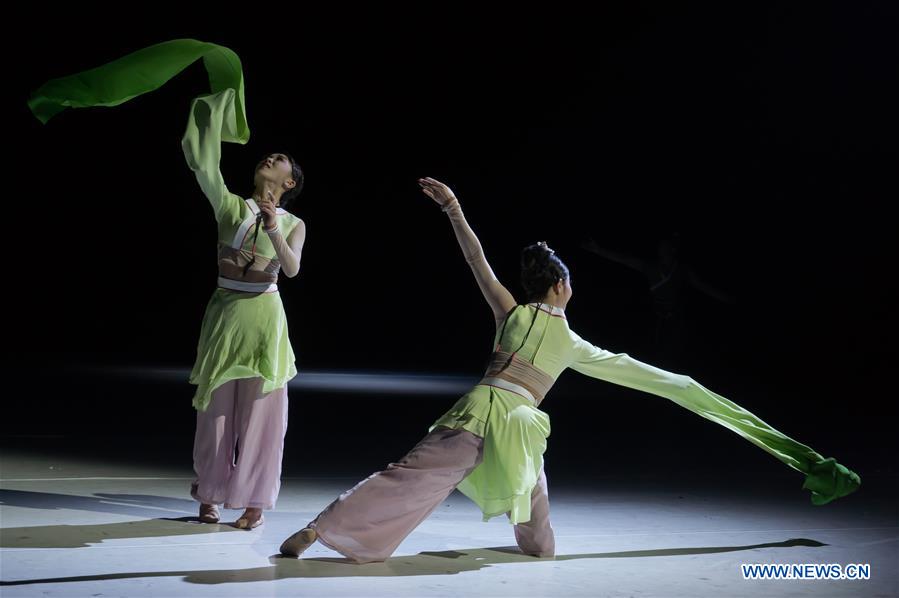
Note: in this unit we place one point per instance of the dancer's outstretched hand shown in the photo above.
(437, 191)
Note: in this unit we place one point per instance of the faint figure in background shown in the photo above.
(670, 280)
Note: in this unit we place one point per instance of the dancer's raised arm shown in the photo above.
(499, 298)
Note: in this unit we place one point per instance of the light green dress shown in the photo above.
(244, 335)
(515, 430)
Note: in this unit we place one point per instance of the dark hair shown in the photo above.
(297, 176)
(540, 269)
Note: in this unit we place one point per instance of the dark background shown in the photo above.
(764, 135)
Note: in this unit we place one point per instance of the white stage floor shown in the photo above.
(72, 527)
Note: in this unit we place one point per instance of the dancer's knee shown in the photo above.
(540, 545)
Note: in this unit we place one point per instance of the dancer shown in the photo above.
(490, 444)
(244, 358)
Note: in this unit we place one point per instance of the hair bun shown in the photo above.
(540, 269)
(534, 256)
(545, 246)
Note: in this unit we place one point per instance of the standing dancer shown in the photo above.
(244, 357)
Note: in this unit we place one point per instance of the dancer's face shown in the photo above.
(275, 168)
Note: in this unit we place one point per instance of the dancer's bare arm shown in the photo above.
(288, 250)
(499, 298)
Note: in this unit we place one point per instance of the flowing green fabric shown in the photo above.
(825, 478)
(140, 72)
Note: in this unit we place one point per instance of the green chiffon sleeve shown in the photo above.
(825, 478)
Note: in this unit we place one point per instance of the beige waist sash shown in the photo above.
(519, 376)
(261, 277)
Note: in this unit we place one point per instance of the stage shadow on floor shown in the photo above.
(134, 505)
(81, 536)
(449, 562)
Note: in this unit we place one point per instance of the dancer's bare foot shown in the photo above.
(299, 542)
(251, 519)
(209, 513)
